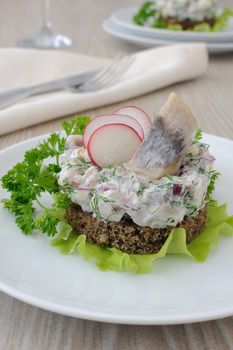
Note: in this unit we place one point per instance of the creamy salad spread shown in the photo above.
(197, 10)
(113, 192)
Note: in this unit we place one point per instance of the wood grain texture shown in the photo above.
(24, 327)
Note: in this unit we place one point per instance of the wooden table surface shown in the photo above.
(24, 327)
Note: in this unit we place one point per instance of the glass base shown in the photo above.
(45, 38)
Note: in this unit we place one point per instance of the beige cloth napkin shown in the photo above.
(152, 69)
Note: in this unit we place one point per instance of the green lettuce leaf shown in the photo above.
(202, 27)
(175, 26)
(219, 223)
(222, 19)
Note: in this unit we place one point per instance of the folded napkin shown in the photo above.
(151, 70)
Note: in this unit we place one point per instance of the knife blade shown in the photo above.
(10, 97)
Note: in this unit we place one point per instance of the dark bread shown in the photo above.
(126, 235)
(188, 23)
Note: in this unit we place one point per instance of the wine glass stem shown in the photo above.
(45, 11)
(45, 37)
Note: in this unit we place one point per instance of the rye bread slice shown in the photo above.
(189, 23)
(126, 235)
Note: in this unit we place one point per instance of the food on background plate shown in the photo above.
(130, 192)
(199, 15)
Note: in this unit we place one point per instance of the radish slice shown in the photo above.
(113, 144)
(137, 113)
(107, 119)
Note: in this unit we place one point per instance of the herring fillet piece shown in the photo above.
(164, 148)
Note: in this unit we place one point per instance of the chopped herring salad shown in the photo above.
(182, 9)
(111, 193)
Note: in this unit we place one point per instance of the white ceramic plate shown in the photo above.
(124, 19)
(112, 28)
(177, 291)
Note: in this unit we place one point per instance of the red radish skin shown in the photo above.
(137, 113)
(113, 144)
(108, 119)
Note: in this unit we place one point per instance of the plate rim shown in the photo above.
(107, 317)
(219, 312)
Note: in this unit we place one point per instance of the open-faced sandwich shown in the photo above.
(198, 15)
(128, 191)
(137, 180)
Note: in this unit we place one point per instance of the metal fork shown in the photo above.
(109, 75)
(86, 82)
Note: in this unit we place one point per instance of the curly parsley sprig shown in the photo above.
(146, 11)
(36, 175)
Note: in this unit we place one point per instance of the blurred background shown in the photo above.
(81, 20)
(77, 19)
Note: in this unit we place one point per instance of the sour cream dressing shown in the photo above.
(187, 9)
